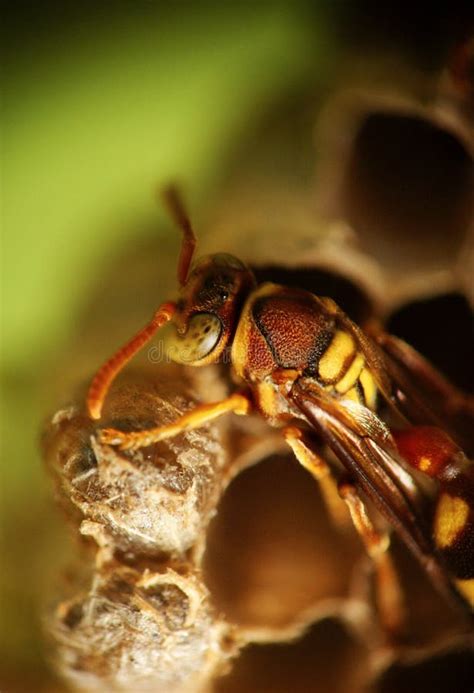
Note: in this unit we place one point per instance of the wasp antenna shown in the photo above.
(107, 373)
(176, 207)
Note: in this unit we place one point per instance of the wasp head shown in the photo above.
(208, 309)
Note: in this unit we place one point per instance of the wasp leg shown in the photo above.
(320, 470)
(238, 403)
(388, 592)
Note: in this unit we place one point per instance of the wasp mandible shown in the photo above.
(306, 368)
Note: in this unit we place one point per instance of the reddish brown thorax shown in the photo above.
(280, 328)
(294, 328)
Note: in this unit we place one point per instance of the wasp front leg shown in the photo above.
(238, 403)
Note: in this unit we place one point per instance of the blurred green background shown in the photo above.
(102, 102)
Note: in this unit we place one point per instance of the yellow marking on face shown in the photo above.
(349, 379)
(333, 360)
(369, 388)
(466, 587)
(424, 464)
(353, 394)
(451, 516)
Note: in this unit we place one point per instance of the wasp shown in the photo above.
(395, 425)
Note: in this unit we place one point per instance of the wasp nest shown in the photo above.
(145, 620)
(141, 630)
(195, 553)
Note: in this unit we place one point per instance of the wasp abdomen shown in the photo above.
(453, 531)
(433, 452)
(453, 527)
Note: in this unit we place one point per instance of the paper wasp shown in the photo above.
(309, 370)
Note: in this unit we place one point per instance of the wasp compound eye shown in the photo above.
(202, 336)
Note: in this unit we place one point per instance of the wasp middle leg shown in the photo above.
(389, 596)
(388, 592)
(320, 470)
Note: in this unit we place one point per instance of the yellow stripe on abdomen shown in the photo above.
(452, 514)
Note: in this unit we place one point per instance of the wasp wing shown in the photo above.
(424, 395)
(364, 446)
(411, 386)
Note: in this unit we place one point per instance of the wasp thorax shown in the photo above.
(197, 343)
